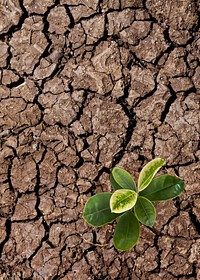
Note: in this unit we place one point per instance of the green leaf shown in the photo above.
(122, 200)
(97, 210)
(145, 211)
(114, 183)
(163, 187)
(123, 178)
(148, 172)
(127, 232)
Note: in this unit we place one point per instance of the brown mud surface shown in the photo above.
(87, 85)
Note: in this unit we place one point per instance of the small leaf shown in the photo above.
(123, 178)
(122, 200)
(145, 211)
(97, 210)
(148, 172)
(163, 187)
(127, 232)
(114, 183)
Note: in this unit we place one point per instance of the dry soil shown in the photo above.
(86, 85)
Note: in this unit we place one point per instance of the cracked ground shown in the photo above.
(86, 85)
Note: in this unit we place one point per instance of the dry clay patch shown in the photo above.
(85, 86)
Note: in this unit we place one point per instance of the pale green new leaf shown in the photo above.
(148, 172)
(122, 200)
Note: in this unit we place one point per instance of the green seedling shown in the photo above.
(131, 203)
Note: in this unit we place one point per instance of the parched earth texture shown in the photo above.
(87, 85)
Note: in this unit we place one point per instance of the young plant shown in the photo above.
(133, 204)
